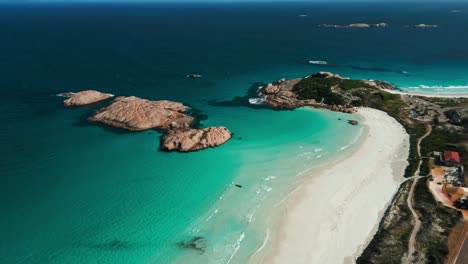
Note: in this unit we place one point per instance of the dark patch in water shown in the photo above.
(113, 245)
(197, 243)
(373, 69)
(197, 114)
(239, 138)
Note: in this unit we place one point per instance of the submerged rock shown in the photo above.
(84, 97)
(137, 114)
(196, 243)
(353, 122)
(185, 140)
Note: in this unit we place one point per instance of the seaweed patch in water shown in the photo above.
(196, 243)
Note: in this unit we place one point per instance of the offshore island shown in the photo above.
(137, 114)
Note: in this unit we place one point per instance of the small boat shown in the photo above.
(194, 75)
(318, 62)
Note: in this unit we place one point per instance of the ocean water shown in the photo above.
(76, 192)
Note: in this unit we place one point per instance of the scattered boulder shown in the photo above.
(353, 122)
(186, 140)
(84, 97)
(137, 114)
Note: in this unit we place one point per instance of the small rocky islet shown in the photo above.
(84, 97)
(137, 114)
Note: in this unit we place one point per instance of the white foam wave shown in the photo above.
(64, 94)
(303, 154)
(318, 150)
(237, 246)
(265, 241)
(255, 101)
(437, 87)
(270, 178)
(211, 215)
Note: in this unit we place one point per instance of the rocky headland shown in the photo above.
(185, 140)
(84, 97)
(354, 25)
(322, 90)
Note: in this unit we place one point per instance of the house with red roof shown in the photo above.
(451, 158)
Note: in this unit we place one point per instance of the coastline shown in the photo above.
(429, 94)
(334, 207)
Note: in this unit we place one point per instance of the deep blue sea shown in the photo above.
(76, 192)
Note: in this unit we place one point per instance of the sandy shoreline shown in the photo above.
(446, 95)
(333, 216)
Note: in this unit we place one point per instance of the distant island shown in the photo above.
(421, 26)
(354, 25)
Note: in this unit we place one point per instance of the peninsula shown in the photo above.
(324, 90)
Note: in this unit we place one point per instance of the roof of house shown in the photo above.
(451, 156)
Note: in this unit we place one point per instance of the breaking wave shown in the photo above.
(437, 87)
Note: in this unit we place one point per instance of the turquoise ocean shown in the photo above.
(76, 192)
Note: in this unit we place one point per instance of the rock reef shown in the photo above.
(137, 114)
(84, 97)
(186, 140)
(421, 26)
(354, 25)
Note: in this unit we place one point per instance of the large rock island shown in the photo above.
(185, 140)
(85, 97)
(137, 114)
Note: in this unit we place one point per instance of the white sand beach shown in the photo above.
(440, 95)
(333, 216)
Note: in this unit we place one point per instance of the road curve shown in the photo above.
(410, 202)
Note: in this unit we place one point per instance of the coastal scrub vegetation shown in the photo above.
(319, 89)
(437, 222)
(390, 243)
